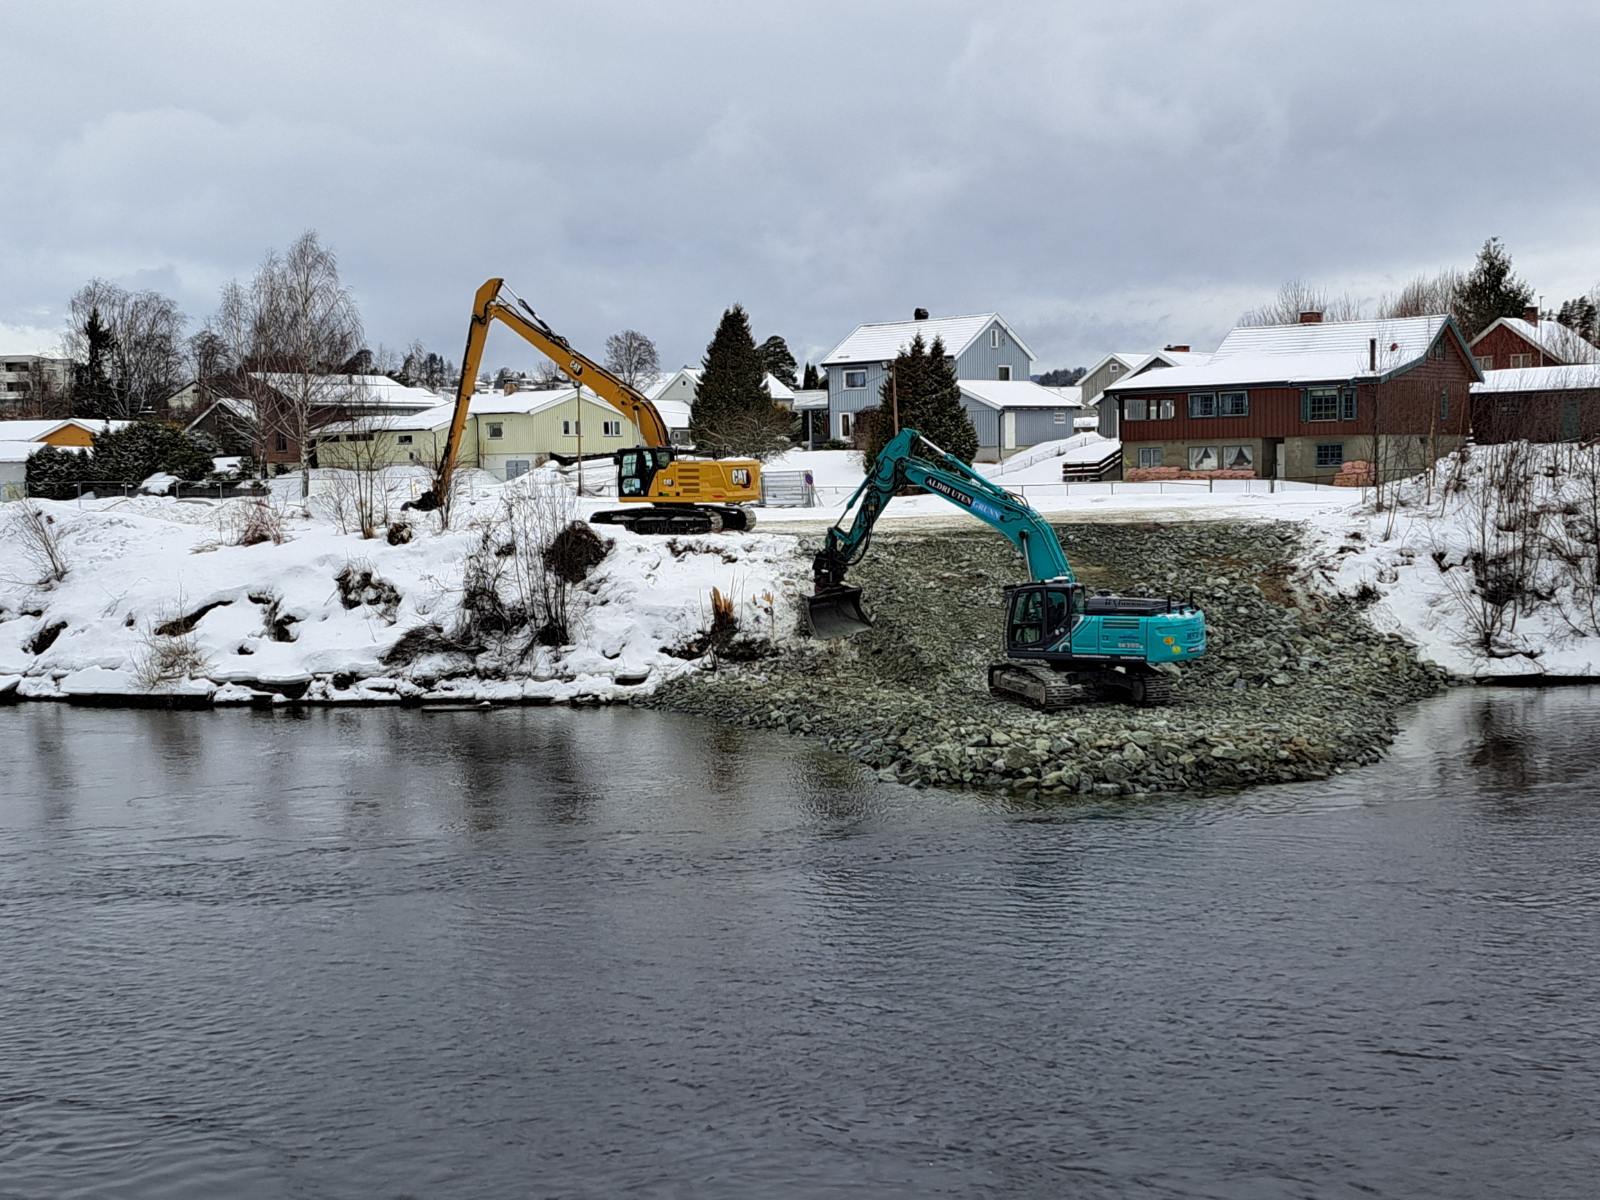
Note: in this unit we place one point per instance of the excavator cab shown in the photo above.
(1040, 615)
(637, 469)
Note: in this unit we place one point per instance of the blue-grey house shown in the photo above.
(982, 345)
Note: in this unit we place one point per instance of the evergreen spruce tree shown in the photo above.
(132, 454)
(1580, 316)
(92, 393)
(810, 380)
(53, 473)
(733, 415)
(779, 362)
(936, 410)
(1490, 291)
(903, 385)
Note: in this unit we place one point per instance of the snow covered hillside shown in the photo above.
(1490, 563)
(157, 597)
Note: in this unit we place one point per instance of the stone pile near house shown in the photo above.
(1288, 690)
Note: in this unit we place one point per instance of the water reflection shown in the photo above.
(384, 952)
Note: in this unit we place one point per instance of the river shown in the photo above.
(550, 953)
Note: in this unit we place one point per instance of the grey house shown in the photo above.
(982, 346)
(1012, 415)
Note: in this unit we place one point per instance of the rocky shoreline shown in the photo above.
(1292, 687)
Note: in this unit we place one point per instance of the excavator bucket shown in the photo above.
(837, 613)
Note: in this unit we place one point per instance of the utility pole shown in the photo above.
(577, 426)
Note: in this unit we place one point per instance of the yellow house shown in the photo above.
(505, 435)
(74, 433)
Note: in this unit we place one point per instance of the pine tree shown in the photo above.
(810, 380)
(936, 410)
(733, 415)
(776, 358)
(92, 393)
(903, 385)
(1490, 291)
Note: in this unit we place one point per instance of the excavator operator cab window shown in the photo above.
(1041, 616)
(633, 472)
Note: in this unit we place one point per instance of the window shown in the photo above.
(994, 338)
(1060, 417)
(1436, 351)
(1133, 409)
(280, 443)
(1233, 404)
(1164, 409)
(1202, 404)
(1330, 454)
(855, 379)
(1239, 458)
(610, 428)
(1322, 404)
(1485, 362)
(1149, 456)
(1521, 360)
(844, 427)
(1115, 367)
(497, 429)
(1347, 405)
(1444, 404)
(1203, 458)
(1005, 371)
(568, 429)
(403, 439)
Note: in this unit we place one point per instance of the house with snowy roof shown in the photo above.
(982, 346)
(673, 395)
(1514, 343)
(1013, 414)
(1116, 367)
(1299, 401)
(1538, 404)
(506, 434)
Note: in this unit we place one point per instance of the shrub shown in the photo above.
(54, 473)
(134, 453)
(576, 551)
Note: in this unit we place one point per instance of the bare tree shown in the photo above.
(147, 354)
(358, 485)
(1424, 296)
(631, 355)
(292, 329)
(1297, 296)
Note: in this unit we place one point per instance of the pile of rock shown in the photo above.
(1286, 692)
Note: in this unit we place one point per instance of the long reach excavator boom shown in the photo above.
(686, 495)
(1060, 640)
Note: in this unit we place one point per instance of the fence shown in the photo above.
(788, 489)
(829, 495)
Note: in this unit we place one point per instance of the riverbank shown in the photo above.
(1287, 691)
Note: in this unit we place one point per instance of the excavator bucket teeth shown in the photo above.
(837, 613)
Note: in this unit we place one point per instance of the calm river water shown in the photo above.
(547, 953)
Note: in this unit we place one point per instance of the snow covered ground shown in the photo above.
(1491, 566)
(273, 618)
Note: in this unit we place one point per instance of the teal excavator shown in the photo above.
(1060, 637)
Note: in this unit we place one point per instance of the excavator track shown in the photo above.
(1036, 687)
(687, 519)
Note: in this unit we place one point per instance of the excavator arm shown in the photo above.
(487, 306)
(950, 479)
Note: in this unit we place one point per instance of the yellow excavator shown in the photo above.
(670, 494)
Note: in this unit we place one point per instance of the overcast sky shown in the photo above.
(1107, 176)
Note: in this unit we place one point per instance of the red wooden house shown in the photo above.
(1301, 401)
(1516, 343)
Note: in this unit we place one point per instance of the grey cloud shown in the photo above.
(1109, 177)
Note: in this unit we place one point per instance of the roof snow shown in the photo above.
(1300, 353)
(378, 391)
(1554, 338)
(1014, 393)
(683, 382)
(35, 431)
(487, 404)
(15, 452)
(881, 342)
(1540, 379)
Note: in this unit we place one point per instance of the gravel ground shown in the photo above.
(1287, 691)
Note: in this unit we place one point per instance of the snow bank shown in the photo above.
(273, 621)
(1489, 564)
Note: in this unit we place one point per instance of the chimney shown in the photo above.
(920, 314)
(1177, 349)
(1372, 354)
(1530, 314)
(1311, 316)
